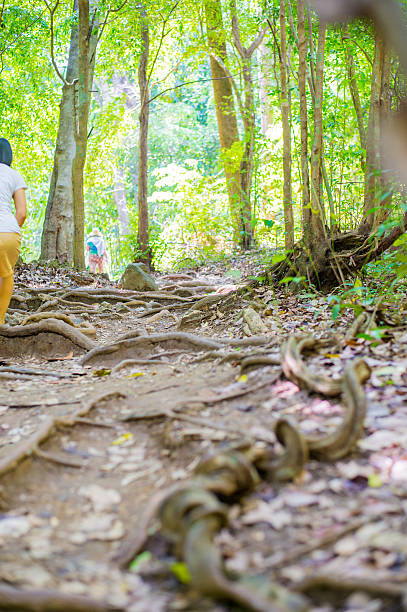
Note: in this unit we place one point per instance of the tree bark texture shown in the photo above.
(142, 232)
(302, 78)
(225, 111)
(317, 204)
(285, 116)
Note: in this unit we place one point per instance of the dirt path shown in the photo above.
(62, 526)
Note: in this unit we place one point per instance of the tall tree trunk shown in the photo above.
(317, 205)
(119, 195)
(246, 165)
(225, 111)
(373, 142)
(385, 110)
(248, 117)
(57, 233)
(58, 229)
(302, 77)
(354, 91)
(142, 232)
(285, 115)
(265, 85)
(81, 132)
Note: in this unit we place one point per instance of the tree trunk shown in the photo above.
(57, 233)
(58, 229)
(142, 232)
(266, 115)
(285, 115)
(386, 191)
(302, 86)
(81, 133)
(225, 112)
(354, 92)
(373, 142)
(317, 205)
(246, 165)
(119, 195)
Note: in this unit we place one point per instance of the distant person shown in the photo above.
(12, 186)
(97, 251)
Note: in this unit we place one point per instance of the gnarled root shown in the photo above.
(26, 339)
(31, 446)
(339, 443)
(48, 601)
(85, 328)
(291, 462)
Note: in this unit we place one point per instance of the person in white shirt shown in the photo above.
(12, 187)
(96, 248)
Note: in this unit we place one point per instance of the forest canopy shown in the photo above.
(184, 130)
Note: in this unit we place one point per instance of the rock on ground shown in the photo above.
(136, 278)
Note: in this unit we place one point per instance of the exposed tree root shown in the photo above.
(324, 583)
(85, 328)
(357, 326)
(335, 258)
(29, 371)
(56, 459)
(137, 347)
(17, 600)
(27, 338)
(280, 560)
(259, 360)
(239, 392)
(291, 462)
(339, 443)
(295, 369)
(31, 446)
(159, 315)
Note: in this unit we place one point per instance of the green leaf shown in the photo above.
(336, 309)
(102, 372)
(139, 560)
(277, 258)
(181, 572)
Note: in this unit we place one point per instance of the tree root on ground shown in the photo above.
(31, 446)
(340, 442)
(295, 369)
(128, 347)
(29, 371)
(85, 328)
(376, 588)
(35, 600)
(289, 464)
(159, 315)
(45, 338)
(281, 560)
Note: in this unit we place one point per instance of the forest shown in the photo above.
(203, 364)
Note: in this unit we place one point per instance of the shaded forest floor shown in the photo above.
(62, 526)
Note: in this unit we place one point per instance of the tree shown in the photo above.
(225, 111)
(58, 231)
(285, 116)
(142, 232)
